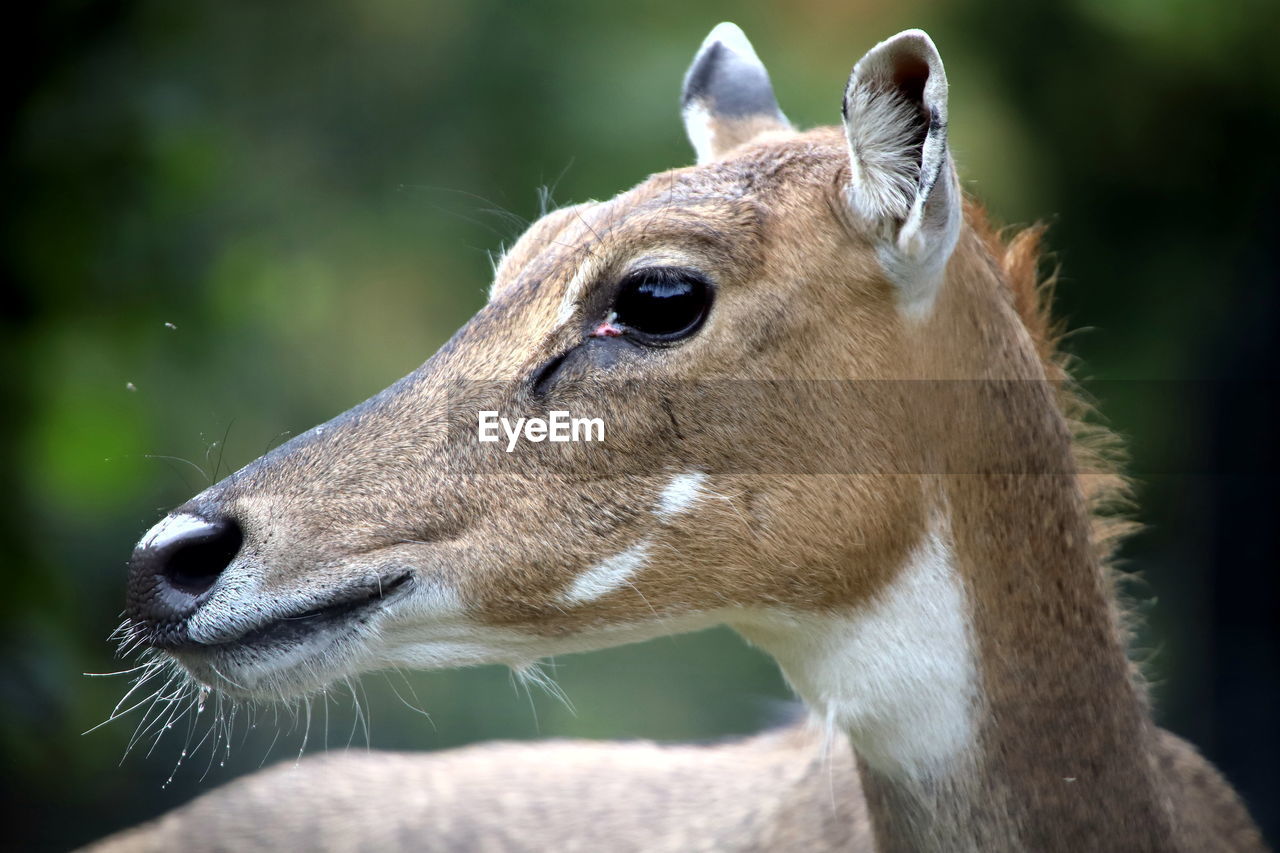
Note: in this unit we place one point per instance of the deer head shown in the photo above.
(738, 326)
(821, 385)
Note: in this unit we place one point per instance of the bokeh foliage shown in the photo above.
(225, 222)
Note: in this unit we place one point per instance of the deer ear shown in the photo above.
(903, 183)
(727, 97)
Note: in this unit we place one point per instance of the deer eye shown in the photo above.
(663, 304)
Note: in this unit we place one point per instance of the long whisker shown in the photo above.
(203, 473)
(306, 732)
(115, 716)
(405, 702)
(222, 448)
(142, 665)
(179, 711)
(519, 680)
(158, 704)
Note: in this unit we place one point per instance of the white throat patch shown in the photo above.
(898, 674)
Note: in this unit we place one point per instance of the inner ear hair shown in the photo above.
(887, 131)
(902, 185)
(894, 102)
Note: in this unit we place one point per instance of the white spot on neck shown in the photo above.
(608, 575)
(172, 527)
(897, 674)
(680, 494)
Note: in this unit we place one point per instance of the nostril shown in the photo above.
(173, 569)
(193, 562)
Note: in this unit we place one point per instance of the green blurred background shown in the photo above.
(308, 193)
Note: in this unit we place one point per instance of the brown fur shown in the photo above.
(833, 429)
(774, 792)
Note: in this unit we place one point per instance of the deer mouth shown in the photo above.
(346, 608)
(294, 652)
(351, 605)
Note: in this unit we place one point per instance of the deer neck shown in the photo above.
(985, 686)
(1035, 736)
(985, 689)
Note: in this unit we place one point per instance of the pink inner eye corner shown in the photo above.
(606, 330)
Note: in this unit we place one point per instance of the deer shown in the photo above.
(837, 421)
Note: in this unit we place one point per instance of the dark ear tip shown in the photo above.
(729, 35)
(725, 44)
(697, 81)
(725, 83)
(727, 74)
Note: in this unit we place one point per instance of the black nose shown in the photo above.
(177, 562)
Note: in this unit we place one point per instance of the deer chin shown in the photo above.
(412, 623)
(457, 640)
(298, 650)
(276, 673)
